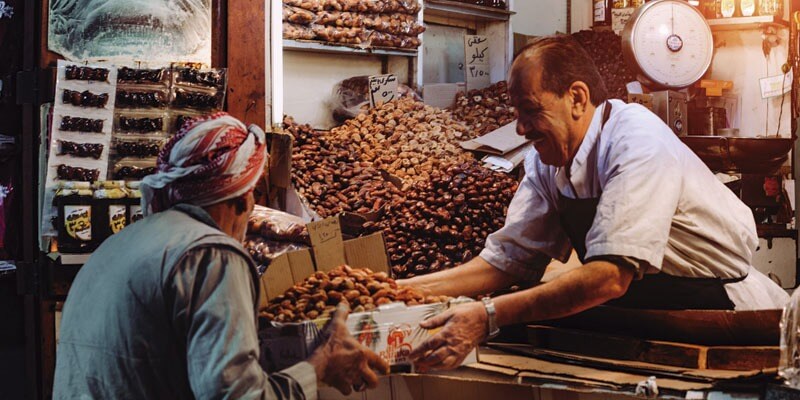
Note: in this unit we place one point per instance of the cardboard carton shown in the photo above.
(391, 331)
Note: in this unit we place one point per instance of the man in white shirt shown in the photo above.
(652, 225)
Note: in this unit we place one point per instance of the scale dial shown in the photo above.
(669, 43)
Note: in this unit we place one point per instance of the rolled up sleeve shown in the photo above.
(213, 308)
(531, 236)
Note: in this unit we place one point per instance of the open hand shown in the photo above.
(464, 327)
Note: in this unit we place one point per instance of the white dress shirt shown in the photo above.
(658, 203)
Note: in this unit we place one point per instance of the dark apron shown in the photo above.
(654, 291)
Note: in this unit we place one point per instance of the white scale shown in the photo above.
(668, 43)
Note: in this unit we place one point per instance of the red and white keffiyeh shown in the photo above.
(211, 159)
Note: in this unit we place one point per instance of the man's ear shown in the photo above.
(240, 203)
(580, 96)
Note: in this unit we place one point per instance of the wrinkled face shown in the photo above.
(177, 30)
(544, 117)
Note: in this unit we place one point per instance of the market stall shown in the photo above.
(393, 154)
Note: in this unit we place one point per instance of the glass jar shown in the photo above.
(726, 8)
(770, 7)
(620, 4)
(75, 228)
(747, 8)
(602, 13)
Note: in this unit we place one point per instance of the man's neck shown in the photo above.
(581, 128)
(224, 215)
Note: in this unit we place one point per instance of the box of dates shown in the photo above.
(384, 317)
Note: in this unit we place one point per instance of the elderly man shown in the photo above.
(165, 309)
(652, 225)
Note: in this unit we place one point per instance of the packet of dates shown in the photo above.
(383, 317)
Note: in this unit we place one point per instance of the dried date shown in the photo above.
(137, 99)
(74, 72)
(84, 150)
(132, 75)
(84, 99)
(185, 98)
(132, 172)
(77, 124)
(211, 78)
(145, 148)
(68, 173)
(141, 125)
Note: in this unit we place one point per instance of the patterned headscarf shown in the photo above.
(211, 159)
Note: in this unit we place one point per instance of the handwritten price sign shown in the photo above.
(382, 88)
(476, 52)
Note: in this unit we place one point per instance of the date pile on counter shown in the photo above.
(406, 138)
(605, 49)
(484, 110)
(446, 205)
(318, 295)
(445, 221)
(365, 23)
(333, 179)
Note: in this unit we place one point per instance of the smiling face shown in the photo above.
(176, 30)
(548, 119)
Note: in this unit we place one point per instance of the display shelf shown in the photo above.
(745, 23)
(453, 9)
(321, 47)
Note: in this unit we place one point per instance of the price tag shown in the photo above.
(776, 85)
(476, 63)
(326, 243)
(620, 17)
(382, 88)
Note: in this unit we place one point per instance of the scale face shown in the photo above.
(669, 43)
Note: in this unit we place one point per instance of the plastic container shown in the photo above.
(111, 209)
(75, 225)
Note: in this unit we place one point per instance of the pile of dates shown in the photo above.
(484, 110)
(405, 138)
(605, 49)
(332, 178)
(445, 221)
(363, 290)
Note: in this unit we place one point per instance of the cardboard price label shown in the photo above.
(476, 63)
(382, 88)
(326, 242)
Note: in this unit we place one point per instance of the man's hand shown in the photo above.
(464, 327)
(344, 363)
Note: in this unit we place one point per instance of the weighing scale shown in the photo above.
(668, 44)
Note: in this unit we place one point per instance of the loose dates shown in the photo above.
(364, 290)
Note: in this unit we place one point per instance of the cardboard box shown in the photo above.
(328, 251)
(391, 331)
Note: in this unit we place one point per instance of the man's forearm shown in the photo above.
(588, 286)
(469, 279)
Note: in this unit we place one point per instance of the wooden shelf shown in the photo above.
(775, 231)
(745, 23)
(322, 47)
(454, 9)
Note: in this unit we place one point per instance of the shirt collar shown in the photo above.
(196, 213)
(592, 133)
(578, 162)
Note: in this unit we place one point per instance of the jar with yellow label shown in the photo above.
(75, 209)
(111, 208)
(134, 201)
(621, 4)
(726, 8)
(770, 7)
(747, 7)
